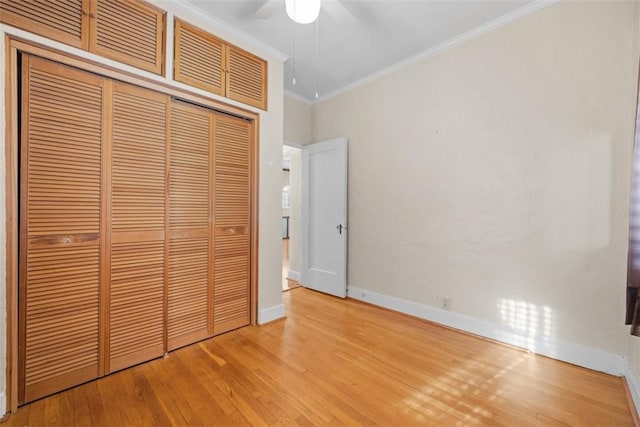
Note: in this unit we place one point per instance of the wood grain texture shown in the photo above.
(126, 137)
(129, 31)
(190, 219)
(341, 362)
(120, 74)
(204, 61)
(60, 261)
(66, 21)
(247, 78)
(136, 306)
(12, 228)
(199, 58)
(232, 213)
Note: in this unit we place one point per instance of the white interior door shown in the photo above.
(324, 217)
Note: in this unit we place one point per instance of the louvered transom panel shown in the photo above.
(62, 20)
(136, 308)
(130, 31)
(189, 192)
(232, 172)
(199, 58)
(61, 317)
(188, 290)
(64, 130)
(138, 160)
(247, 80)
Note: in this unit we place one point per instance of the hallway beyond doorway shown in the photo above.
(287, 284)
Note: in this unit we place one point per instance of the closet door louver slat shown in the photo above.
(60, 228)
(128, 31)
(232, 208)
(190, 249)
(66, 21)
(137, 226)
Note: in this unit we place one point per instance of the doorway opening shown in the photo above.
(291, 213)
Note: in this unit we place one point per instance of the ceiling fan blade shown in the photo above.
(338, 12)
(268, 9)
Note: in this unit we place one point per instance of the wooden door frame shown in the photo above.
(12, 46)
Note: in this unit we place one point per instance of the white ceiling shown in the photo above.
(383, 33)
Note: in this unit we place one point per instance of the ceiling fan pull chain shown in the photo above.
(317, 62)
(294, 48)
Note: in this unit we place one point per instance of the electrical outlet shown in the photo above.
(445, 303)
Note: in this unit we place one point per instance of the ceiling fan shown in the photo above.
(334, 8)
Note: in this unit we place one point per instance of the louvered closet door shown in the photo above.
(136, 309)
(232, 221)
(199, 58)
(128, 31)
(60, 227)
(66, 21)
(190, 243)
(247, 78)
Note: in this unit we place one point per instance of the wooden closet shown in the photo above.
(207, 62)
(129, 31)
(135, 225)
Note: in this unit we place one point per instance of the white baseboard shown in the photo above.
(3, 404)
(270, 314)
(633, 383)
(295, 275)
(610, 363)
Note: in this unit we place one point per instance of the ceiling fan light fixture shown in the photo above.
(303, 11)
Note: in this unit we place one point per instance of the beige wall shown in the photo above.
(297, 121)
(270, 194)
(497, 172)
(297, 130)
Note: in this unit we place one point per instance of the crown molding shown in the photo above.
(198, 17)
(501, 21)
(297, 97)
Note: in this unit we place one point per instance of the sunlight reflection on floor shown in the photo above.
(460, 384)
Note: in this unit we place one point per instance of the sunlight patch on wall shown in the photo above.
(531, 324)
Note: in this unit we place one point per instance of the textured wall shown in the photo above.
(496, 173)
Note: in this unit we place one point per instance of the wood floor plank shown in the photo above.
(77, 397)
(54, 408)
(336, 362)
(165, 402)
(187, 392)
(208, 398)
(270, 401)
(99, 417)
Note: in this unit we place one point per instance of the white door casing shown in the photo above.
(324, 217)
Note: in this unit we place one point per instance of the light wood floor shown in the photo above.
(341, 362)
